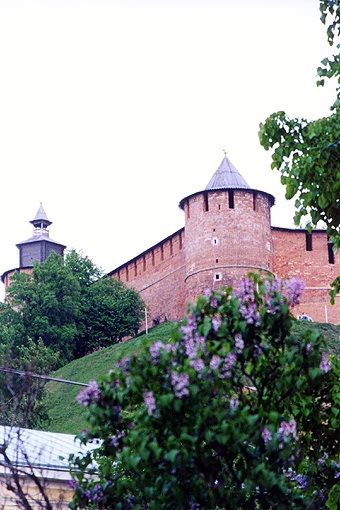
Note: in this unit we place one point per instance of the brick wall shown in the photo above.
(221, 242)
(292, 258)
(159, 275)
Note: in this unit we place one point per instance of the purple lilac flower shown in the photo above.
(192, 346)
(97, 493)
(274, 285)
(245, 290)
(213, 302)
(90, 394)
(274, 289)
(233, 403)
(215, 362)
(72, 484)
(250, 314)
(273, 305)
(154, 351)
(294, 290)
(325, 365)
(229, 360)
(302, 480)
(266, 435)
(336, 465)
(198, 364)
(87, 493)
(156, 348)
(124, 364)
(308, 347)
(239, 343)
(180, 383)
(224, 374)
(228, 363)
(150, 402)
(216, 322)
(189, 328)
(194, 506)
(322, 460)
(286, 429)
(115, 439)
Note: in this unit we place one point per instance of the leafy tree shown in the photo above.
(111, 312)
(234, 412)
(21, 394)
(307, 153)
(48, 302)
(82, 267)
(23, 482)
(66, 304)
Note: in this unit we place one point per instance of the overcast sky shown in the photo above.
(112, 111)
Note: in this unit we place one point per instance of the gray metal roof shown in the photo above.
(40, 237)
(38, 449)
(41, 217)
(226, 176)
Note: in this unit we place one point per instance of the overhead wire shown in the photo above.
(40, 376)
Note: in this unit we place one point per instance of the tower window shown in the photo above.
(206, 202)
(217, 277)
(330, 253)
(254, 201)
(216, 261)
(309, 246)
(231, 199)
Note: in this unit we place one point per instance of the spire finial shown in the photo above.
(225, 152)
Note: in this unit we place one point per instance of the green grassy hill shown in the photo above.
(66, 415)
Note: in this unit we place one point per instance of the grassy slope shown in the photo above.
(66, 414)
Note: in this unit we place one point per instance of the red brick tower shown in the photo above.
(227, 232)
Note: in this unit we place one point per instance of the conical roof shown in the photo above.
(226, 176)
(41, 218)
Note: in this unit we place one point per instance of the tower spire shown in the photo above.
(226, 176)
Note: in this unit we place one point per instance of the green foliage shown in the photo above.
(48, 302)
(111, 312)
(66, 304)
(82, 267)
(330, 67)
(235, 412)
(307, 153)
(21, 395)
(64, 414)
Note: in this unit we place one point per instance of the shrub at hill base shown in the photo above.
(234, 412)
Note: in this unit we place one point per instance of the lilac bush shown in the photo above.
(235, 412)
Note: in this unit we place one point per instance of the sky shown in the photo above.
(112, 111)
